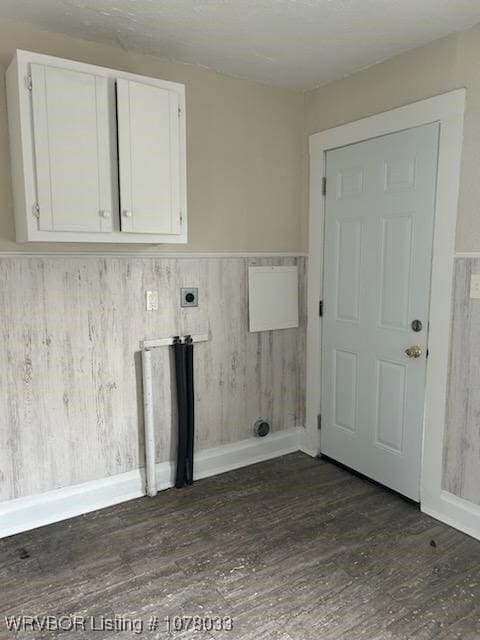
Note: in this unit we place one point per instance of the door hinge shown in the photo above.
(320, 308)
(426, 353)
(324, 186)
(179, 111)
(28, 82)
(181, 217)
(36, 210)
(319, 421)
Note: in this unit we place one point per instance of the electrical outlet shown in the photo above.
(151, 300)
(189, 297)
(475, 285)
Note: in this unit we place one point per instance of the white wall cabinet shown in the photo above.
(97, 155)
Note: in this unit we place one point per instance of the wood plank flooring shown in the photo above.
(290, 549)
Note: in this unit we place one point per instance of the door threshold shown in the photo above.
(322, 456)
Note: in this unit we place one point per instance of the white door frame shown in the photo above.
(448, 110)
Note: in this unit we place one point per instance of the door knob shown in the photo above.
(413, 352)
(105, 214)
(127, 213)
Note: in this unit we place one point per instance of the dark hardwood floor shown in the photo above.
(290, 549)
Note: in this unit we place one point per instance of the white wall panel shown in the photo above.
(70, 388)
(273, 297)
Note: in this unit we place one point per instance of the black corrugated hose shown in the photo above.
(186, 415)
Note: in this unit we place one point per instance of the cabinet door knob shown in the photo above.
(105, 214)
(127, 213)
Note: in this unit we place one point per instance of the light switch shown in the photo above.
(475, 285)
(151, 300)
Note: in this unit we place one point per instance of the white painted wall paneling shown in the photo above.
(71, 403)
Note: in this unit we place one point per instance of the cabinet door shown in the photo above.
(72, 150)
(149, 157)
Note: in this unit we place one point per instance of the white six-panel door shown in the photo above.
(72, 150)
(377, 266)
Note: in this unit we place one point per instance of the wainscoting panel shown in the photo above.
(70, 385)
(461, 465)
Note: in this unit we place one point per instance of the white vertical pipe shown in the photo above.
(148, 420)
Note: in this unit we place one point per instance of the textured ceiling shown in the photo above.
(291, 43)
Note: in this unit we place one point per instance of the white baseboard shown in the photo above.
(456, 512)
(35, 511)
(39, 510)
(240, 454)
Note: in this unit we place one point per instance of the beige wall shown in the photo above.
(246, 150)
(449, 63)
(245, 146)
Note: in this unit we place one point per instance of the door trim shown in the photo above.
(447, 109)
